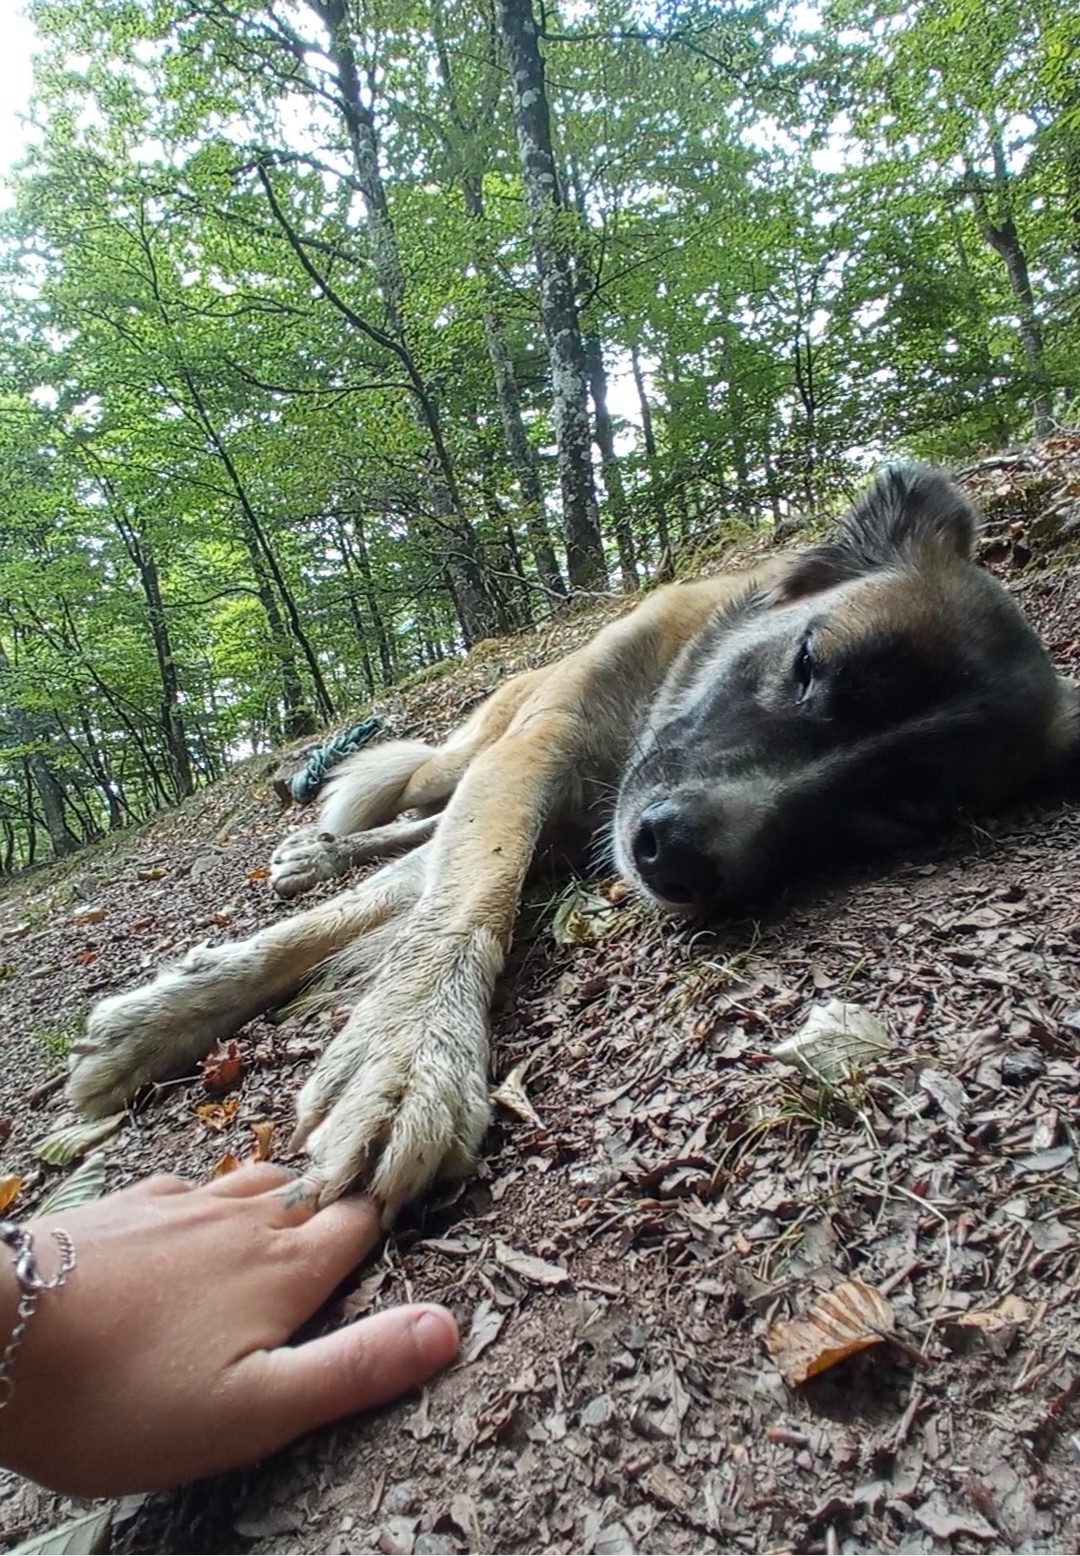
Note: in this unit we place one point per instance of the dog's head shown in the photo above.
(883, 684)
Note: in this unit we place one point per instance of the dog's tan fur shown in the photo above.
(400, 1095)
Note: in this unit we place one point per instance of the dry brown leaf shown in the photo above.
(88, 916)
(1010, 1310)
(582, 917)
(463, 1513)
(835, 1042)
(663, 1485)
(10, 1184)
(511, 1095)
(258, 874)
(84, 958)
(362, 1297)
(224, 1164)
(222, 1068)
(216, 1115)
(539, 1271)
(487, 1320)
(995, 1327)
(843, 1321)
(264, 1133)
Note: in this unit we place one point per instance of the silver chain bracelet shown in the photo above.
(31, 1284)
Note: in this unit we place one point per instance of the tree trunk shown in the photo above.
(477, 610)
(663, 529)
(96, 762)
(804, 383)
(609, 462)
(558, 307)
(736, 419)
(353, 605)
(1000, 232)
(1004, 239)
(172, 721)
(39, 770)
(520, 451)
(522, 458)
(299, 719)
(259, 546)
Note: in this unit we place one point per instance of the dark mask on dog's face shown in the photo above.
(883, 685)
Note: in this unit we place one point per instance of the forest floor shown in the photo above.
(616, 1266)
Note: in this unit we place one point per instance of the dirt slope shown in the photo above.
(617, 1265)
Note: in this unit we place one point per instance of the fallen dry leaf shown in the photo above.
(487, 1320)
(10, 1185)
(216, 1115)
(539, 1271)
(1010, 1310)
(835, 1042)
(362, 1297)
(224, 1164)
(944, 1524)
(264, 1133)
(511, 1095)
(84, 958)
(663, 1485)
(463, 1513)
(843, 1321)
(222, 1068)
(947, 1092)
(258, 874)
(582, 917)
(995, 1327)
(88, 916)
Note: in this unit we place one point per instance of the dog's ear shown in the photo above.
(911, 514)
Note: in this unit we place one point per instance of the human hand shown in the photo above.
(162, 1357)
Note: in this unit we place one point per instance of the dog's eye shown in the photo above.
(805, 670)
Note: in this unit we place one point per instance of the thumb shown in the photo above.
(295, 1388)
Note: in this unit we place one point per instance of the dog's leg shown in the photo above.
(367, 791)
(400, 1096)
(310, 856)
(166, 1026)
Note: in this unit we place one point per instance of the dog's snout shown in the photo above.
(671, 856)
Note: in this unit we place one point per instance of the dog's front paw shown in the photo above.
(163, 1028)
(304, 859)
(401, 1096)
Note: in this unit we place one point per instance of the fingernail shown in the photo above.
(436, 1335)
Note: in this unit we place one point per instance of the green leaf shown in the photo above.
(83, 1537)
(86, 1183)
(66, 1145)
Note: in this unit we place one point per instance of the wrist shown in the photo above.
(9, 1297)
(24, 1281)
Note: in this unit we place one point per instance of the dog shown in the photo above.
(731, 731)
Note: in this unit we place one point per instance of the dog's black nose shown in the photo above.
(670, 856)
